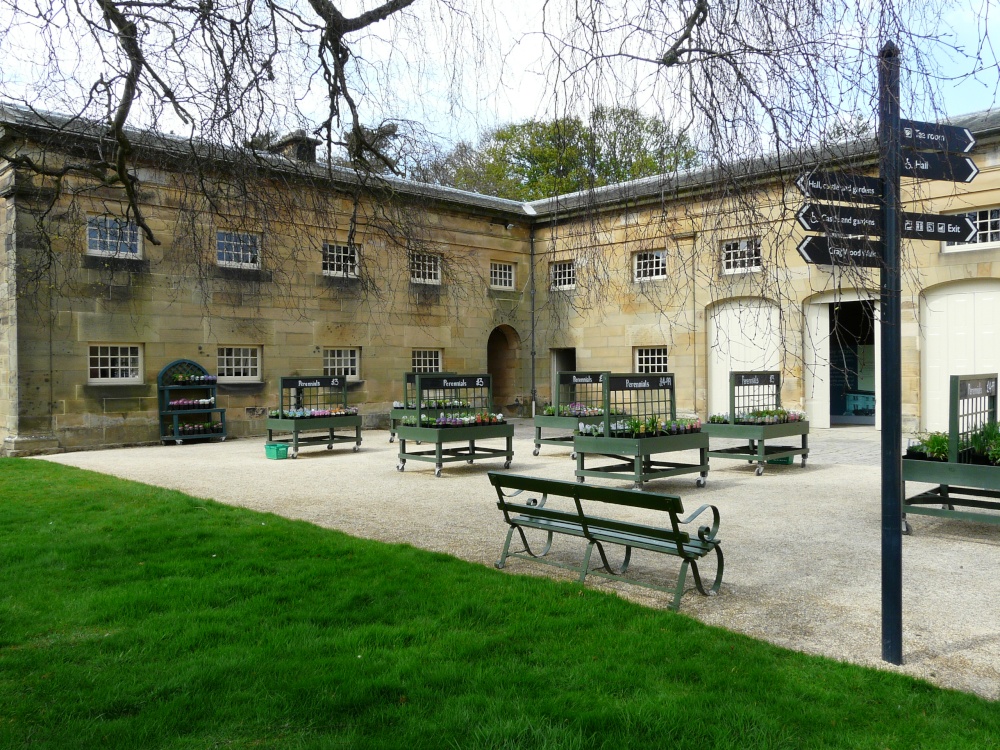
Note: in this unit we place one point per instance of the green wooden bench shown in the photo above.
(599, 531)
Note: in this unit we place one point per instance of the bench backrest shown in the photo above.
(670, 504)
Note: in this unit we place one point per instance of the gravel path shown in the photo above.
(802, 545)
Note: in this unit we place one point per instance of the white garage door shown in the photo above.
(961, 336)
(742, 335)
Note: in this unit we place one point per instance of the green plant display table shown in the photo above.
(965, 488)
(453, 408)
(312, 410)
(579, 399)
(406, 409)
(755, 415)
(628, 438)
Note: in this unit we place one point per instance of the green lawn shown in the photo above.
(137, 617)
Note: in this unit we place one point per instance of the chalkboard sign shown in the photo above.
(745, 379)
(579, 378)
(978, 388)
(642, 382)
(318, 381)
(454, 381)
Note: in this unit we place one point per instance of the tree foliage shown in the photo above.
(540, 159)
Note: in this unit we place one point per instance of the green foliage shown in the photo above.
(936, 444)
(983, 440)
(532, 160)
(136, 617)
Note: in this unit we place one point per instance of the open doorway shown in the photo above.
(852, 363)
(563, 360)
(501, 363)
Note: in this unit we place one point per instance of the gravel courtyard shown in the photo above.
(802, 545)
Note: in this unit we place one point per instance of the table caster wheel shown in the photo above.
(759, 471)
(506, 464)
(179, 442)
(329, 447)
(469, 462)
(294, 454)
(392, 438)
(580, 479)
(400, 466)
(803, 462)
(573, 455)
(907, 529)
(357, 448)
(699, 482)
(535, 452)
(437, 471)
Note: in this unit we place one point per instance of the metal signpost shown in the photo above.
(921, 150)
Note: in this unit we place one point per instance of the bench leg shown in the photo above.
(506, 548)
(718, 574)
(607, 564)
(679, 590)
(585, 568)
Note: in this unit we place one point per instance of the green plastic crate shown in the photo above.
(786, 461)
(276, 450)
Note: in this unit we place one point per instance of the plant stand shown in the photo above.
(400, 414)
(636, 457)
(966, 491)
(308, 394)
(440, 455)
(179, 385)
(575, 391)
(757, 436)
(751, 392)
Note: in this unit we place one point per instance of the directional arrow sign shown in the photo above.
(841, 251)
(927, 166)
(855, 220)
(930, 136)
(840, 186)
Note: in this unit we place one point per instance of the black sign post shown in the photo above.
(891, 396)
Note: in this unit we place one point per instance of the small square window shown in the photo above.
(340, 260)
(987, 221)
(342, 362)
(563, 274)
(426, 360)
(651, 359)
(115, 364)
(649, 265)
(425, 268)
(501, 275)
(741, 256)
(239, 364)
(109, 236)
(237, 249)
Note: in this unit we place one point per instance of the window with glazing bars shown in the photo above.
(239, 363)
(340, 260)
(237, 249)
(651, 359)
(107, 235)
(425, 268)
(115, 363)
(563, 273)
(341, 362)
(501, 275)
(987, 223)
(740, 256)
(426, 360)
(649, 265)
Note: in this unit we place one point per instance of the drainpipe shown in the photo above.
(534, 393)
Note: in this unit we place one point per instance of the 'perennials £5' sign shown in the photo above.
(646, 382)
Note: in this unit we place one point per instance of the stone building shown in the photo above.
(288, 267)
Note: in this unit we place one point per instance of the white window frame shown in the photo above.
(230, 245)
(107, 359)
(104, 237)
(649, 265)
(346, 362)
(244, 359)
(340, 261)
(987, 221)
(559, 272)
(503, 275)
(426, 360)
(425, 268)
(742, 256)
(650, 359)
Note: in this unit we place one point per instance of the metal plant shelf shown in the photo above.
(586, 389)
(397, 414)
(327, 392)
(967, 491)
(640, 396)
(439, 455)
(447, 410)
(636, 457)
(752, 391)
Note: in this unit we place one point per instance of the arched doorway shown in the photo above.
(501, 363)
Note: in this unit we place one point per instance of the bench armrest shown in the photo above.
(705, 533)
(540, 503)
